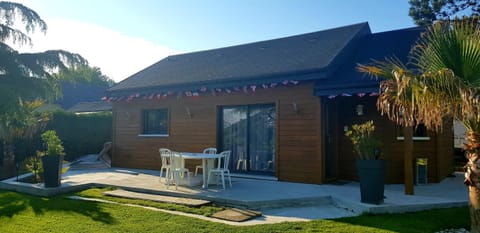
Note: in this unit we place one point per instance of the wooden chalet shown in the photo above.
(281, 106)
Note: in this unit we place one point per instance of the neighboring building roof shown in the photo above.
(308, 56)
(74, 93)
(378, 46)
(88, 107)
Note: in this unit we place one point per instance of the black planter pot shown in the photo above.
(372, 180)
(52, 170)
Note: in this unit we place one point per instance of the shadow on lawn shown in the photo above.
(12, 203)
(422, 221)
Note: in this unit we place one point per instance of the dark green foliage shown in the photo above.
(426, 12)
(86, 74)
(53, 144)
(82, 134)
(25, 75)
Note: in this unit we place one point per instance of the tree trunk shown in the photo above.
(408, 159)
(472, 179)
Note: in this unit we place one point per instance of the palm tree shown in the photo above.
(443, 83)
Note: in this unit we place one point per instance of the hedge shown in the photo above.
(81, 134)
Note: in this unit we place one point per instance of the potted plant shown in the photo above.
(52, 158)
(370, 165)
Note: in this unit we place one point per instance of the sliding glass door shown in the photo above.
(249, 132)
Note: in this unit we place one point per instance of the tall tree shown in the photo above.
(30, 20)
(443, 84)
(28, 75)
(426, 12)
(25, 77)
(86, 74)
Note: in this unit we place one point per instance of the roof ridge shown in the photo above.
(270, 40)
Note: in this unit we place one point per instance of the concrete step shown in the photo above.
(158, 198)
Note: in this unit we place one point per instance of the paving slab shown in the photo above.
(236, 215)
(158, 198)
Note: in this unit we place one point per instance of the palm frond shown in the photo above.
(450, 45)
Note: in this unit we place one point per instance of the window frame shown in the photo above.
(145, 132)
(414, 138)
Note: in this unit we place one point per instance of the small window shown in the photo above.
(155, 122)
(420, 133)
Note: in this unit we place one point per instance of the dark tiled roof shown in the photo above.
(74, 93)
(312, 52)
(377, 46)
(98, 106)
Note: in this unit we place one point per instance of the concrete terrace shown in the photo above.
(278, 201)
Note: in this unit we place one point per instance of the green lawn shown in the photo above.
(24, 213)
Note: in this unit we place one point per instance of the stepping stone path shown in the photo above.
(157, 198)
(236, 215)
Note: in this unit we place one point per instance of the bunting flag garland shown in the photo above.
(203, 90)
(245, 89)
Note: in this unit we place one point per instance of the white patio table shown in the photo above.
(205, 158)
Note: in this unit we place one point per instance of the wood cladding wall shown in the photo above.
(438, 150)
(193, 127)
(301, 154)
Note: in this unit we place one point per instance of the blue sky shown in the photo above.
(148, 30)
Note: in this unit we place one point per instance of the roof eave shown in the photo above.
(314, 74)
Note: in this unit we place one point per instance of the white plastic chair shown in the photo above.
(221, 169)
(177, 171)
(209, 150)
(164, 154)
(242, 162)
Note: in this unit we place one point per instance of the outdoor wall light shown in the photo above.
(295, 107)
(125, 115)
(359, 109)
(189, 114)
